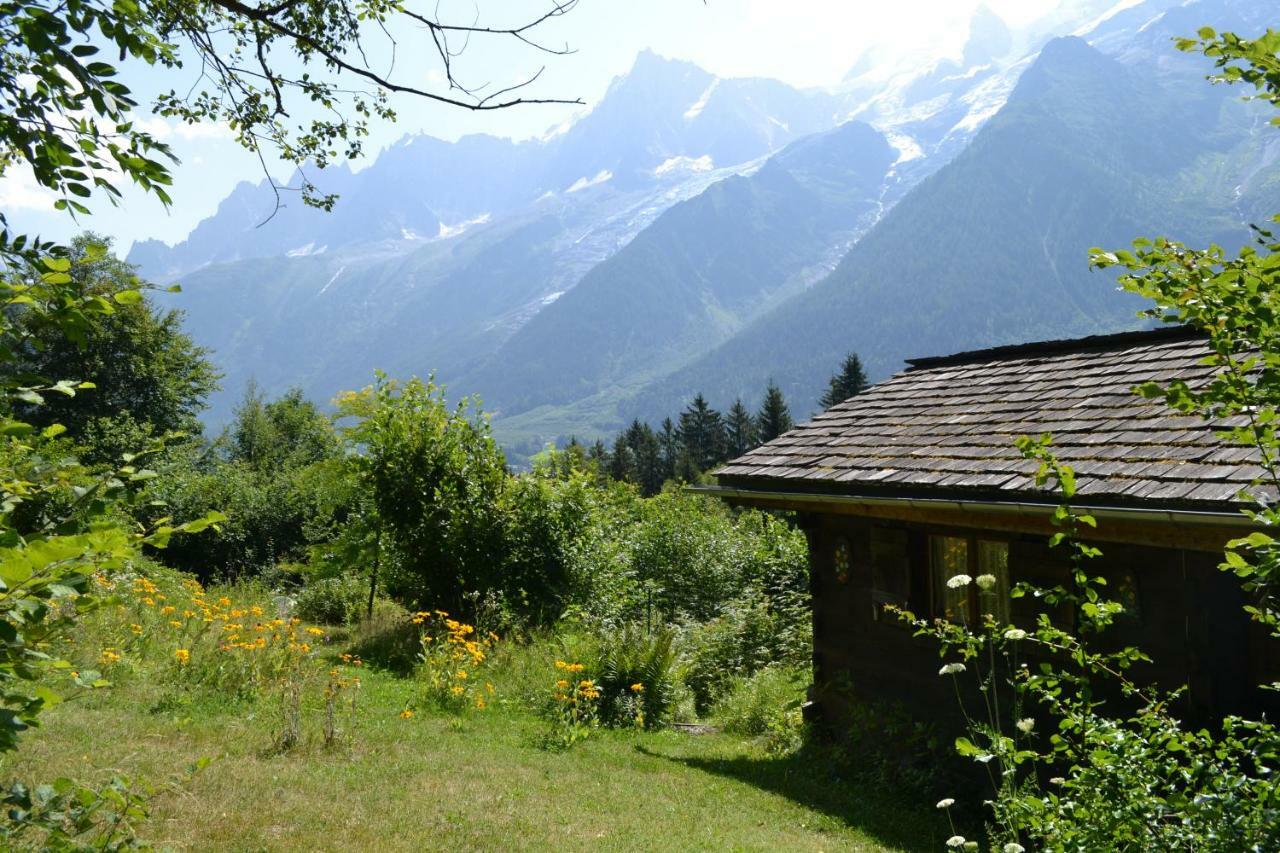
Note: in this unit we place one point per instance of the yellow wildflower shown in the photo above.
(167, 609)
(316, 632)
(174, 623)
(137, 629)
(183, 656)
(562, 684)
(406, 714)
(637, 687)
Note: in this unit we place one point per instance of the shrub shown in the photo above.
(332, 601)
(767, 704)
(753, 633)
(635, 673)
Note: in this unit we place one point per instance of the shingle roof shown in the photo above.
(946, 426)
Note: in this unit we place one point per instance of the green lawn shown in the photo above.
(438, 782)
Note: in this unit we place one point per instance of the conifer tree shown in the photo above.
(850, 381)
(702, 435)
(669, 445)
(647, 454)
(775, 417)
(598, 459)
(622, 463)
(740, 430)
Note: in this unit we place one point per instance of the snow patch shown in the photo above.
(551, 297)
(332, 280)
(1106, 16)
(701, 104)
(908, 148)
(410, 234)
(447, 231)
(582, 183)
(682, 163)
(782, 124)
(303, 251)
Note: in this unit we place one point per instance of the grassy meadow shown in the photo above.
(404, 773)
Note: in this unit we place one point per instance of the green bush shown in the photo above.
(635, 672)
(333, 601)
(766, 704)
(753, 633)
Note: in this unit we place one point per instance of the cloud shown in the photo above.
(164, 129)
(19, 191)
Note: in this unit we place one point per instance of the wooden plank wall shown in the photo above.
(1189, 620)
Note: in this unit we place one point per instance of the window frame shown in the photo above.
(973, 545)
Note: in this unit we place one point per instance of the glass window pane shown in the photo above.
(993, 559)
(949, 557)
(890, 570)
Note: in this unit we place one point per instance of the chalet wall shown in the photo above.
(1187, 616)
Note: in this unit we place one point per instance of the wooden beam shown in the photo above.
(1160, 534)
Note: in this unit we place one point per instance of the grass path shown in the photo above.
(437, 783)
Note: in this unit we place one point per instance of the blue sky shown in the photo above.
(802, 42)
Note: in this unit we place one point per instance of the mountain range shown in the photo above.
(692, 233)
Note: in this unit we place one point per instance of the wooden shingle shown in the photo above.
(945, 427)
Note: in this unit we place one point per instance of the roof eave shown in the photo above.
(956, 503)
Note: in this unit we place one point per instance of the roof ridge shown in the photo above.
(1160, 333)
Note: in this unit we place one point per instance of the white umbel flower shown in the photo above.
(956, 841)
(985, 581)
(1015, 634)
(959, 581)
(1013, 847)
(1026, 725)
(951, 669)
(946, 804)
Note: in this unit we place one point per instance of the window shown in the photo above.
(993, 560)
(890, 570)
(840, 560)
(1125, 591)
(949, 557)
(975, 558)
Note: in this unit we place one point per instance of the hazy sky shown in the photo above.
(802, 42)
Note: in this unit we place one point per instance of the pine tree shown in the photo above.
(647, 452)
(598, 459)
(702, 435)
(774, 418)
(850, 381)
(669, 445)
(622, 462)
(740, 430)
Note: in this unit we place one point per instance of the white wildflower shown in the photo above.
(985, 581)
(955, 841)
(946, 804)
(959, 581)
(951, 669)
(1015, 634)
(1013, 847)
(1057, 780)
(1026, 725)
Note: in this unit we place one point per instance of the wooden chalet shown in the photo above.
(918, 479)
